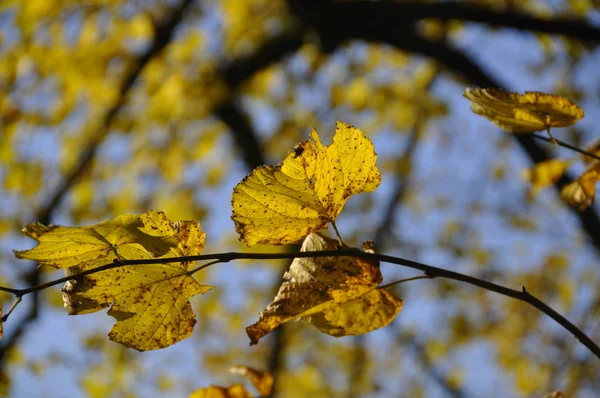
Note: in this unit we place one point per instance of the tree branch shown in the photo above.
(238, 72)
(433, 272)
(400, 13)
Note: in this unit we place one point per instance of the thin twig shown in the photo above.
(339, 236)
(565, 145)
(12, 307)
(434, 272)
(414, 278)
(201, 267)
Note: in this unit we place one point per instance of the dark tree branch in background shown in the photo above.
(341, 21)
(431, 271)
(270, 52)
(400, 13)
(163, 35)
(238, 72)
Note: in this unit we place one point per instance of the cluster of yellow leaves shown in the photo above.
(282, 204)
(262, 381)
(579, 193)
(536, 111)
(337, 295)
(150, 302)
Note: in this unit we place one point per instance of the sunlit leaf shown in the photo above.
(235, 391)
(150, 302)
(337, 295)
(282, 204)
(128, 236)
(545, 174)
(263, 381)
(523, 113)
(581, 192)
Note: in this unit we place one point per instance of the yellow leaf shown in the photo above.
(554, 394)
(235, 391)
(150, 302)
(263, 381)
(1, 323)
(580, 193)
(337, 295)
(128, 236)
(282, 204)
(545, 174)
(523, 113)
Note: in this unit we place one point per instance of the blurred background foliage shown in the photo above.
(112, 107)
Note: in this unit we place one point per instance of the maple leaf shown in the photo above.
(545, 174)
(150, 302)
(337, 295)
(282, 204)
(262, 381)
(523, 113)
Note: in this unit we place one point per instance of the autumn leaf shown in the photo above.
(545, 174)
(128, 236)
(150, 302)
(282, 204)
(1, 323)
(554, 394)
(235, 391)
(337, 295)
(263, 381)
(581, 192)
(523, 113)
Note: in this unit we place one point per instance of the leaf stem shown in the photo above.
(12, 307)
(565, 145)
(341, 242)
(433, 272)
(201, 267)
(414, 278)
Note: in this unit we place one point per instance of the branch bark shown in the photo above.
(431, 271)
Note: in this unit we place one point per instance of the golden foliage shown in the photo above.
(581, 192)
(235, 391)
(261, 380)
(545, 174)
(337, 295)
(282, 204)
(150, 302)
(523, 113)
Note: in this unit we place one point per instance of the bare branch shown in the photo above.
(433, 272)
